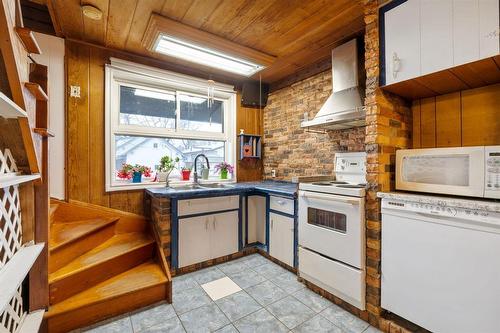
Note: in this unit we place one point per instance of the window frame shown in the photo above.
(123, 73)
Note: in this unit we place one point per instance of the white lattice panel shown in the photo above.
(13, 315)
(10, 223)
(7, 162)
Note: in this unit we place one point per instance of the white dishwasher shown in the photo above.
(441, 266)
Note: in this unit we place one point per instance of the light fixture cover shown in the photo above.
(92, 12)
(205, 56)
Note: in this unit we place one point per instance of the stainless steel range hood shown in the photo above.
(344, 108)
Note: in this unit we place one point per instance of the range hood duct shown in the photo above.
(344, 108)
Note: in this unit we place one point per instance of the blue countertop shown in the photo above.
(282, 188)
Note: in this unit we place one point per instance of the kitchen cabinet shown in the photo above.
(465, 31)
(281, 238)
(207, 237)
(436, 35)
(489, 28)
(402, 46)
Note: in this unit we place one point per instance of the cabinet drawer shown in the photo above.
(281, 205)
(206, 205)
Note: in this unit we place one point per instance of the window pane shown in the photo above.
(147, 107)
(149, 150)
(196, 115)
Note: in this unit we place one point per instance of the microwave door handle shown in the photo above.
(338, 199)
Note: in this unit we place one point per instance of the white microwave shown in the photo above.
(465, 171)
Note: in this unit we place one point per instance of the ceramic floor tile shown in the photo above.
(190, 299)
(290, 311)
(317, 324)
(312, 300)
(172, 325)
(260, 322)
(237, 305)
(269, 270)
(288, 282)
(266, 293)
(255, 260)
(220, 288)
(247, 278)
(227, 329)
(123, 325)
(208, 275)
(207, 318)
(232, 267)
(183, 282)
(345, 320)
(151, 316)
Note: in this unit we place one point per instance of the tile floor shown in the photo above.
(270, 300)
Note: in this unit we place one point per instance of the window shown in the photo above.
(151, 113)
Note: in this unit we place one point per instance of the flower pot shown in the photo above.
(136, 177)
(223, 174)
(186, 174)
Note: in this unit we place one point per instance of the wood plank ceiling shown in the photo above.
(299, 33)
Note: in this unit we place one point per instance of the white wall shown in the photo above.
(53, 57)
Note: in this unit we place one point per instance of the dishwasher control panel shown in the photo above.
(442, 209)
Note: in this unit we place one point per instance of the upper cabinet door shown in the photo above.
(436, 24)
(465, 31)
(402, 42)
(488, 28)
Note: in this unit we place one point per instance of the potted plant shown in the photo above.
(167, 164)
(224, 168)
(134, 172)
(186, 173)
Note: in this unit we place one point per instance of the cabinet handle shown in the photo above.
(272, 224)
(213, 222)
(281, 202)
(396, 64)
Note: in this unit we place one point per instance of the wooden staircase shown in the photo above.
(102, 263)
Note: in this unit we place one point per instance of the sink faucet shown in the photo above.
(195, 176)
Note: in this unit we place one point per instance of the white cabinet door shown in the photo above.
(223, 234)
(402, 42)
(256, 212)
(194, 240)
(281, 238)
(436, 34)
(488, 28)
(465, 31)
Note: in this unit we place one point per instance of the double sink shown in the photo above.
(201, 186)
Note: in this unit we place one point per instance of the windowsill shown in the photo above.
(128, 186)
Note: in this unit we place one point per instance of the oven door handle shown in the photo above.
(331, 198)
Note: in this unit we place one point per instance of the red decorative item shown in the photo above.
(247, 150)
(186, 174)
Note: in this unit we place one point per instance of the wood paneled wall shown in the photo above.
(85, 171)
(466, 118)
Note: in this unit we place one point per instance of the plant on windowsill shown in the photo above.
(167, 164)
(186, 173)
(224, 168)
(134, 172)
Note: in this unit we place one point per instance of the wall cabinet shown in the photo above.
(281, 238)
(207, 237)
(425, 36)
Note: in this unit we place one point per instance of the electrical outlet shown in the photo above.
(75, 91)
(273, 173)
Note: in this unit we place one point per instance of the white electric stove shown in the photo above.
(332, 230)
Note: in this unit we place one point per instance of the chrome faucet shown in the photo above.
(195, 176)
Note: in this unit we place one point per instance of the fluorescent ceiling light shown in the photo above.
(204, 56)
(154, 94)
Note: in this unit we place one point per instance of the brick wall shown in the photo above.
(291, 150)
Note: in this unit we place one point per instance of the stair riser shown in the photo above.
(63, 255)
(75, 283)
(96, 312)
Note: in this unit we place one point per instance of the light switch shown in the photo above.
(75, 91)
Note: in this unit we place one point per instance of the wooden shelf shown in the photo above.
(9, 109)
(9, 180)
(43, 132)
(36, 90)
(28, 39)
(251, 143)
(31, 323)
(472, 75)
(14, 272)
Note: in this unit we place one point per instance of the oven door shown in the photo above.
(333, 226)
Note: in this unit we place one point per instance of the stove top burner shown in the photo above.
(352, 186)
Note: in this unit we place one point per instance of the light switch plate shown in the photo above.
(75, 91)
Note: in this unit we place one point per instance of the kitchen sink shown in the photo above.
(200, 186)
(216, 185)
(186, 187)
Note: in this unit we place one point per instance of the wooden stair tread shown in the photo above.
(140, 277)
(115, 246)
(65, 233)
